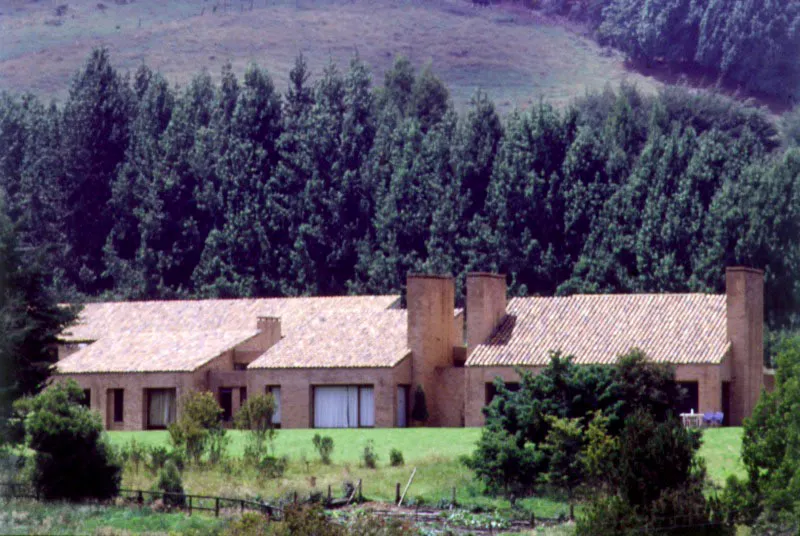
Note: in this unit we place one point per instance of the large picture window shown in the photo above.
(160, 407)
(349, 406)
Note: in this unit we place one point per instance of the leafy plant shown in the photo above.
(369, 456)
(255, 416)
(419, 411)
(199, 426)
(324, 446)
(71, 458)
(396, 458)
(171, 484)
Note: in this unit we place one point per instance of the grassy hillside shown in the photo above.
(513, 55)
(434, 451)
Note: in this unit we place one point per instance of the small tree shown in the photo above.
(255, 416)
(564, 444)
(324, 446)
(171, 484)
(420, 411)
(199, 427)
(71, 459)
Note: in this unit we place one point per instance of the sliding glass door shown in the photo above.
(344, 406)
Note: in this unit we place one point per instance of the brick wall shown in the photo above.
(745, 313)
(431, 337)
(297, 385)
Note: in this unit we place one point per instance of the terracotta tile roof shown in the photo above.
(342, 339)
(674, 328)
(163, 351)
(99, 319)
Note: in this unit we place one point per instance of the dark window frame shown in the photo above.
(118, 411)
(358, 402)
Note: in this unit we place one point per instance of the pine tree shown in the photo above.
(95, 133)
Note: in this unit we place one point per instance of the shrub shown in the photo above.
(396, 458)
(157, 456)
(250, 524)
(324, 446)
(255, 416)
(369, 456)
(608, 516)
(273, 467)
(199, 426)
(171, 484)
(71, 459)
(218, 441)
(420, 410)
(136, 454)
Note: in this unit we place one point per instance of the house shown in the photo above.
(354, 361)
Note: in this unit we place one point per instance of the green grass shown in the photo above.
(722, 451)
(435, 452)
(30, 517)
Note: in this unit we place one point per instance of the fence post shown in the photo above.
(533, 520)
(216, 507)
(453, 502)
(360, 495)
(397, 493)
(140, 498)
(330, 497)
(295, 497)
(190, 505)
(241, 504)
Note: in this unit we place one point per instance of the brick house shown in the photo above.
(353, 361)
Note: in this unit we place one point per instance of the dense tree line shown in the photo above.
(136, 189)
(752, 44)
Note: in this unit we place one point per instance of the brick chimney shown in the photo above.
(744, 290)
(431, 333)
(486, 306)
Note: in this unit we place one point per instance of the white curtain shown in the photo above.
(402, 405)
(330, 407)
(367, 406)
(161, 407)
(276, 394)
(337, 407)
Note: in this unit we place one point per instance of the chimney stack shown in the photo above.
(744, 290)
(430, 301)
(486, 306)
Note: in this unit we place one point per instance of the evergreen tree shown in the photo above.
(95, 134)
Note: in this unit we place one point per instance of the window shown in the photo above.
(226, 403)
(402, 406)
(491, 390)
(275, 391)
(160, 407)
(242, 395)
(344, 406)
(117, 400)
(240, 366)
(690, 402)
(87, 398)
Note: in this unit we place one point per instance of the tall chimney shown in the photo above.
(744, 289)
(431, 333)
(486, 306)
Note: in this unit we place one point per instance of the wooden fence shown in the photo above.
(184, 501)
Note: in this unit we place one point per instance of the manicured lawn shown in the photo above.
(722, 452)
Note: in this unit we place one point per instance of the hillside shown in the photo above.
(513, 55)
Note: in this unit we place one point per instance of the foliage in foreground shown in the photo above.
(71, 457)
(768, 497)
(199, 428)
(609, 433)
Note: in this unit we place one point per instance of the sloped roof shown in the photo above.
(171, 336)
(338, 339)
(163, 351)
(669, 328)
(100, 319)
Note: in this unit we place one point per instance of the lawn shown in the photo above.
(434, 452)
